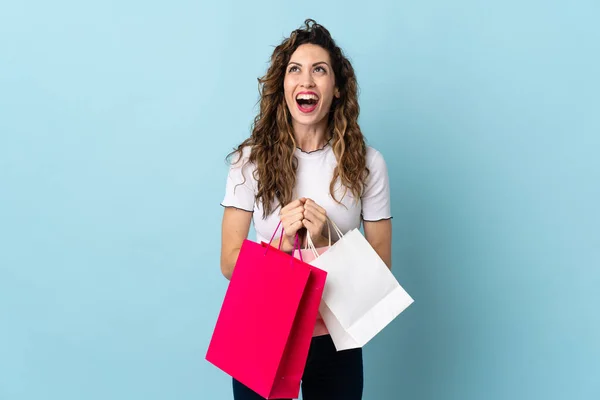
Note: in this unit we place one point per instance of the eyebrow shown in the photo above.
(314, 65)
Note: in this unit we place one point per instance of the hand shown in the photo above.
(315, 220)
(291, 217)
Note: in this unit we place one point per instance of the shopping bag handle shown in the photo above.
(335, 227)
(296, 244)
(328, 236)
(310, 244)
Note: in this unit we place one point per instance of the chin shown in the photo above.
(308, 119)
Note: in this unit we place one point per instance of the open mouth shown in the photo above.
(307, 101)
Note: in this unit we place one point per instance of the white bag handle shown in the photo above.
(335, 227)
(310, 241)
(310, 244)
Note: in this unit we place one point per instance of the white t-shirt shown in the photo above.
(314, 174)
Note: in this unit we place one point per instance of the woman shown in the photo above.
(307, 160)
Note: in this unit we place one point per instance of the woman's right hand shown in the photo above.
(291, 219)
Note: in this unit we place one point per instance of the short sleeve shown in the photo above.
(239, 190)
(376, 197)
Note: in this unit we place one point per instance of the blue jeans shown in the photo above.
(329, 374)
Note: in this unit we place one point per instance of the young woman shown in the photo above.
(307, 160)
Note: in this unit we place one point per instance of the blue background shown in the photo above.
(116, 116)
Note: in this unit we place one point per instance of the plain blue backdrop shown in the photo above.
(115, 119)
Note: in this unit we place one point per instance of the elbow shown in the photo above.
(228, 261)
(226, 270)
(227, 267)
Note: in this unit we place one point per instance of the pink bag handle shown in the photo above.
(296, 244)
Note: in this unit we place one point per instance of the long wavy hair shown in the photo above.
(272, 140)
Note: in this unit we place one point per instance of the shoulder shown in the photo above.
(374, 159)
(241, 159)
(241, 169)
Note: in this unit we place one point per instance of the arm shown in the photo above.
(235, 228)
(379, 236)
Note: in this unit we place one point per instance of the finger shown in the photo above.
(295, 226)
(299, 202)
(291, 228)
(292, 211)
(312, 228)
(309, 226)
(309, 215)
(299, 209)
(316, 210)
(292, 205)
(314, 216)
(314, 206)
(292, 217)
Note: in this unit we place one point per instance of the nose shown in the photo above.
(307, 80)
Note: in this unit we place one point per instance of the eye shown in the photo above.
(293, 68)
(321, 69)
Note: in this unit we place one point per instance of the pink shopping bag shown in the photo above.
(308, 256)
(265, 325)
(302, 331)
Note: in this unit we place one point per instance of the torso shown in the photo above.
(313, 177)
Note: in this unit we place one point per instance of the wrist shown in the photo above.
(288, 244)
(320, 241)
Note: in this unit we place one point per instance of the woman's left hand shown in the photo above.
(315, 219)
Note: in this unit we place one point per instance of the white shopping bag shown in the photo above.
(361, 295)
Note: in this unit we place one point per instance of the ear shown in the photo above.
(336, 93)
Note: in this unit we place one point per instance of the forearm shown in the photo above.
(228, 262)
(379, 235)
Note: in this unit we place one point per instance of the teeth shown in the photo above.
(307, 97)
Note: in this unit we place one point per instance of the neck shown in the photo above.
(311, 137)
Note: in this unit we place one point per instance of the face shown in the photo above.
(309, 85)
